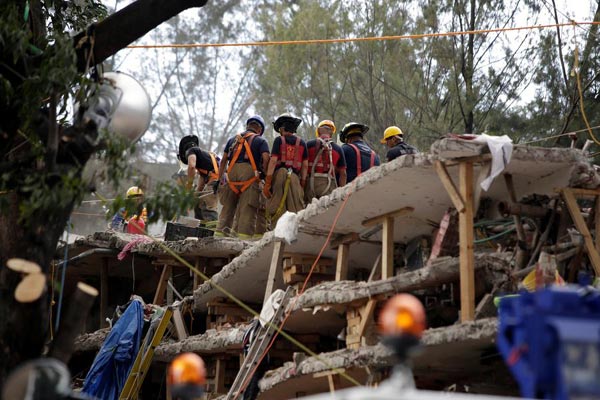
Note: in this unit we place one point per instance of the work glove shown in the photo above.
(215, 186)
(267, 188)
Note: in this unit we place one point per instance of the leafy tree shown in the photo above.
(42, 150)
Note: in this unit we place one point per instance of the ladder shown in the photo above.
(257, 348)
(144, 357)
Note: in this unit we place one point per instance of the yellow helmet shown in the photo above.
(323, 123)
(134, 191)
(391, 132)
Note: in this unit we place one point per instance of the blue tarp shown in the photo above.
(108, 373)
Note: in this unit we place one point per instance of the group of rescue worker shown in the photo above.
(256, 186)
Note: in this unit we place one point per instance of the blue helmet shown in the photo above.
(258, 119)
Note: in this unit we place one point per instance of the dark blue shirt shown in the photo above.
(399, 150)
(258, 146)
(203, 160)
(365, 157)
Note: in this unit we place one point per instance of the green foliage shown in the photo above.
(166, 201)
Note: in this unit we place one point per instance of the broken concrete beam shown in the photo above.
(443, 270)
(210, 342)
(481, 331)
(90, 341)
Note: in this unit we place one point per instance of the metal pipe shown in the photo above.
(524, 210)
(87, 253)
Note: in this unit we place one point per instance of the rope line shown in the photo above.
(246, 307)
(361, 39)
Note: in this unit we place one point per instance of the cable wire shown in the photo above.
(360, 39)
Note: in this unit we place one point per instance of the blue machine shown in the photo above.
(550, 340)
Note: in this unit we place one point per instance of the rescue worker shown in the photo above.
(245, 158)
(359, 156)
(137, 223)
(186, 377)
(325, 161)
(393, 138)
(287, 170)
(205, 164)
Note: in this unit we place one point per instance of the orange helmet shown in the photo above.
(186, 376)
(402, 314)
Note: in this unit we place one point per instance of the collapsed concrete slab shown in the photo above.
(409, 181)
(439, 346)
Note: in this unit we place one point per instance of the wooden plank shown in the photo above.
(456, 198)
(330, 372)
(365, 316)
(302, 258)
(387, 249)
(392, 214)
(582, 228)
(577, 192)
(220, 376)
(180, 330)
(375, 270)
(467, 257)
(159, 295)
(345, 239)
(197, 277)
(276, 259)
(103, 293)
(341, 266)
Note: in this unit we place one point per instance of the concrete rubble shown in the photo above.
(409, 182)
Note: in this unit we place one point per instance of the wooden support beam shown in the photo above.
(456, 198)
(582, 228)
(180, 330)
(197, 278)
(333, 377)
(467, 256)
(375, 270)
(366, 312)
(275, 268)
(103, 292)
(220, 376)
(159, 295)
(341, 265)
(578, 192)
(345, 239)
(383, 217)
(387, 250)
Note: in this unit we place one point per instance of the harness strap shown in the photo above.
(295, 162)
(241, 186)
(214, 174)
(329, 174)
(359, 159)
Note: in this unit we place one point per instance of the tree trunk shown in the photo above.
(24, 327)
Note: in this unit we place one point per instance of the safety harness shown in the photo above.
(243, 142)
(325, 163)
(213, 175)
(290, 155)
(359, 161)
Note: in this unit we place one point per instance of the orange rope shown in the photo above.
(360, 39)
